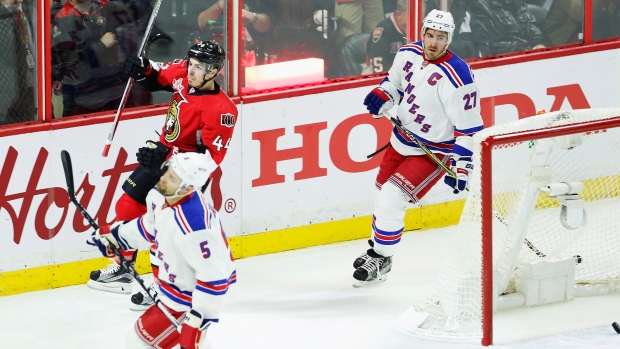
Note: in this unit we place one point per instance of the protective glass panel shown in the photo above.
(18, 64)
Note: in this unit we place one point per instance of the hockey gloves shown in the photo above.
(462, 168)
(192, 330)
(136, 67)
(103, 237)
(153, 155)
(377, 100)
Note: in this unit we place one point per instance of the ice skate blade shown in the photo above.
(115, 286)
(358, 283)
(139, 307)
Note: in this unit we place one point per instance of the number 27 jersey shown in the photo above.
(440, 101)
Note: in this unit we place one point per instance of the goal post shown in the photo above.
(540, 224)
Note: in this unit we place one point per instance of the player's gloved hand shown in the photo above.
(192, 330)
(462, 168)
(136, 67)
(153, 155)
(377, 100)
(103, 237)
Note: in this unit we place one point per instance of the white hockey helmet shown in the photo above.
(192, 168)
(439, 20)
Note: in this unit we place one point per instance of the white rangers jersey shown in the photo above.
(440, 103)
(191, 249)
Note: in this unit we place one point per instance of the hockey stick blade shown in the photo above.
(616, 327)
(68, 168)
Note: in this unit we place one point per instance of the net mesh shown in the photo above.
(454, 307)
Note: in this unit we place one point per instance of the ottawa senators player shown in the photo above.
(201, 118)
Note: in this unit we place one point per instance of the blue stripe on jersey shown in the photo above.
(191, 214)
(449, 75)
(462, 69)
(176, 295)
(458, 150)
(470, 131)
(145, 234)
(218, 287)
(456, 66)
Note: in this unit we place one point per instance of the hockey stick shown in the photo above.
(68, 168)
(616, 327)
(449, 171)
(121, 106)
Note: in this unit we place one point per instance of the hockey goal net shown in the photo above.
(514, 226)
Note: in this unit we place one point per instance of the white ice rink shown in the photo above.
(304, 299)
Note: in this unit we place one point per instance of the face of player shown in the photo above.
(168, 183)
(435, 44)
(197, 73)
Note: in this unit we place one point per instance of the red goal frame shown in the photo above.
(487, 195)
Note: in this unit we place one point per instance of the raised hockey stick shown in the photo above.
(449, 171)
(121, 106)
(68, 168)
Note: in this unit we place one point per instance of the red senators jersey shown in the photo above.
(211, 113)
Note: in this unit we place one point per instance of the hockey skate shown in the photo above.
(373, 268)
(141, 301)
(364, 257)
(115, 278)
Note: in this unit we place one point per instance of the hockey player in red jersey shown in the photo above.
(190, 245)
(200, 118)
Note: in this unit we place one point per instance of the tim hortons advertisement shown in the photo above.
(292, 162)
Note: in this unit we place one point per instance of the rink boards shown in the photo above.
(296, 173)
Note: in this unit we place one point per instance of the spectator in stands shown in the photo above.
(91, 40)
(357, 16)
(503, 26)
(385, 41)
(354, 16)
(258, 20)
(564, 22)
(462, 43)
(606, 19)
(17, 63)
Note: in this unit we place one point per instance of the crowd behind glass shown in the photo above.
(91, 39)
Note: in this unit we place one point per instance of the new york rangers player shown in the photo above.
(200, 118)
(439, 102)
(193, 263)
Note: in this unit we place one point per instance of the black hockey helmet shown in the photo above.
(208, 52)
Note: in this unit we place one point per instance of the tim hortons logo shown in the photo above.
(339, 154)
(19, 205)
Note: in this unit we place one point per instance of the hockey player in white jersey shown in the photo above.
(193, 263)
(439, 102)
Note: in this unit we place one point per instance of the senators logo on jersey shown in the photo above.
(376, 34)
(172, 129)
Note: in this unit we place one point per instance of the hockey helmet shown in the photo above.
(192, 168)
(439, 20)
(208, 52)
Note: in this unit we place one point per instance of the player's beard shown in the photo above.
(163, 190)
(433, 55)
